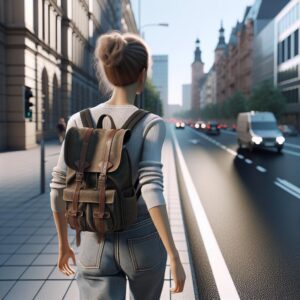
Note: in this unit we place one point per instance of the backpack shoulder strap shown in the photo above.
(86, 118)
(134, 119)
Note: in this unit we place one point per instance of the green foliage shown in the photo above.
(266, 97)
(152, 102)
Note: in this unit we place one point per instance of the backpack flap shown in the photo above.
(96, 149)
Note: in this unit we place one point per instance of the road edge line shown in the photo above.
(222, 277)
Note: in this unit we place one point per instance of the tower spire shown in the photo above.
(198, 51)
(221, 42)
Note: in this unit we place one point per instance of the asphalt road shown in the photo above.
(252, 202)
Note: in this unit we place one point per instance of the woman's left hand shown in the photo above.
(63, 260)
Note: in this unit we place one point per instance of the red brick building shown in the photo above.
(233, 61)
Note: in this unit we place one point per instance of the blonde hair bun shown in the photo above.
(111, 49)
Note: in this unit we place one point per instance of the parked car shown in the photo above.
(179, 125)
(259, 130)
(288, 130)
(212, 127)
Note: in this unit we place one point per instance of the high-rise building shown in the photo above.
(287, 59)
(186, 96)
(197, 77)
(47, 47)
(160, 79)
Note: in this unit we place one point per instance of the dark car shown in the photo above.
(212, 128)
(179, 125)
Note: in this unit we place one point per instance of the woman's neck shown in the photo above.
(122, 96)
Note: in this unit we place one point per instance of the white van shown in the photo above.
(258, 129)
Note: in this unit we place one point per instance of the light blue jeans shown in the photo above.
(136, 253)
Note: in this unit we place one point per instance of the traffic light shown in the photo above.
(27, 104)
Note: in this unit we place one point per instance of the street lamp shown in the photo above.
(152, 25)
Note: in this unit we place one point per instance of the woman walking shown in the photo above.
(138, 253)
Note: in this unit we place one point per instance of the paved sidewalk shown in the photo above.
(28, 243)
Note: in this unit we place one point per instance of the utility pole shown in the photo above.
(42, 162)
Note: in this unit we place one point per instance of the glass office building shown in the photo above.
(287, 59)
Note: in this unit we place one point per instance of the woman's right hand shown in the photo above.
(178, 274)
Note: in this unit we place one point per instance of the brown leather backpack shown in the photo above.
(100, 195)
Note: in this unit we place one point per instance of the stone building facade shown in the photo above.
(209, 89)
(197, 77)
(47, 46)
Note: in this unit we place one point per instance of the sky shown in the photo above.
(188, 20)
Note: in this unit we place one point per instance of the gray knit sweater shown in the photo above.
(149, 169)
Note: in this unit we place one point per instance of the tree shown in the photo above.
(266, 97)
(237, 104)
(152, 102)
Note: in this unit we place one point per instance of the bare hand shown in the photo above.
(178, 274)
(63, 260)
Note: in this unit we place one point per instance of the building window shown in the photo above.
(279, 54)
(289, 47)
(283, 51)
(288, 74)
(291, 96)
(296, 42)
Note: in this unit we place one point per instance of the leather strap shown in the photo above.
(100, 121)
(130, 123)
(82, 164)
(134, 119)
(104, 166)
(86, 118)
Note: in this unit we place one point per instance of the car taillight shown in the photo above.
(219, 126)
(208, 126)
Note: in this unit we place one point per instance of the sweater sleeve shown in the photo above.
(58, 180)
(150, 167)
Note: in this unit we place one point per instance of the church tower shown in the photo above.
(221, 46)
(197, 75)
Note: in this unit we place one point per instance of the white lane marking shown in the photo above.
(291, 152)
(232, 152)
(292, 145)
(288, 187)
(194, 141)
(224, 282)
(261, 169)
(248, 161)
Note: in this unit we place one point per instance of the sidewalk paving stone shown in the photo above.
(29, 246)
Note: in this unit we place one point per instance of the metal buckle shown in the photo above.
(79, 176)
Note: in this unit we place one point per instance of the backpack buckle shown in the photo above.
(79, 176)
(102, 177)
